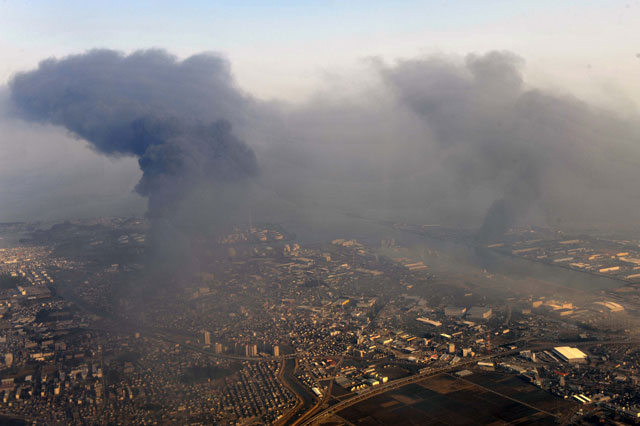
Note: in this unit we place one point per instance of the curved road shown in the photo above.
(328, 412)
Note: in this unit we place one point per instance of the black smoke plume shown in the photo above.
(174, 116)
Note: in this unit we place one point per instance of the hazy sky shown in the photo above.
(282, 49)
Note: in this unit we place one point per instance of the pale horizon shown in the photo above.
(288, 51)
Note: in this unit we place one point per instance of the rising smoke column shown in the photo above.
(527, 151)
(472, 110)
(461, 141)
(175, 116)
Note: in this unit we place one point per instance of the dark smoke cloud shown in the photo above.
(535, 150)
(175, 116)
(459, 141)
(47, 175)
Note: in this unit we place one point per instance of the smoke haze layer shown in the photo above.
(543, 157)
(455, 140)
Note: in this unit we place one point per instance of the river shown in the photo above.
(494, 262)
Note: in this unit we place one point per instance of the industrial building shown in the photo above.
(454, 311)
(479, 313)
(569, 354)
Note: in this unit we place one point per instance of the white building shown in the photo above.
(570, 354)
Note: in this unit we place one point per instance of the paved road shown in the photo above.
(300, 398)
(321, 401)
(396, 384)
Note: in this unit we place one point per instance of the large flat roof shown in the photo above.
(569, 353)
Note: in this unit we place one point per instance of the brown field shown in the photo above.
(481, 399)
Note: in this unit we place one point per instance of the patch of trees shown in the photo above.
(9, 282)
(200, 373)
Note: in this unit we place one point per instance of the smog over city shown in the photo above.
(320, 214)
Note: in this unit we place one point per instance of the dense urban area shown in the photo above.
(420, 325)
